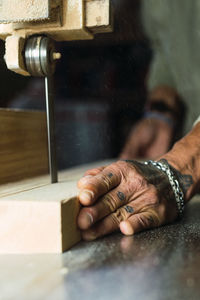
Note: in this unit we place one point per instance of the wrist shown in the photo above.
(166, 100)
(156, 115)
(178, 193)
(184, 158)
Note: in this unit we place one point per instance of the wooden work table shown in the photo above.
(158, 264)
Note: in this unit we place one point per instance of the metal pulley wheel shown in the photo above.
(40, 56)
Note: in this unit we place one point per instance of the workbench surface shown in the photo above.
(159, 264)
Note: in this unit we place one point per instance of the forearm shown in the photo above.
(185, 158)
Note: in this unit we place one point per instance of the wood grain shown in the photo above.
(23, 144)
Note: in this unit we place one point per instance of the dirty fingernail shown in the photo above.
(85, 221)
(86, 196)
(89, 218)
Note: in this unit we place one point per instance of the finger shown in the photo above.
(94, 187)
(108, 225)
(94, 171)
(106, 205)
(110, 203)
(140, 222)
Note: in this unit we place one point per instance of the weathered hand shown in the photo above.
(125, 195)
(150, 138)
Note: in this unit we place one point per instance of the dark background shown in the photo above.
(100, 88)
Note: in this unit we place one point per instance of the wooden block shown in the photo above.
(23, 144)
(40, 220)
(38, 217)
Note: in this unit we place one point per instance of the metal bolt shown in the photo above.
(56, 55)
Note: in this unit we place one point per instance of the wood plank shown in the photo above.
(38, 217)
(23, 144)
(41, 220)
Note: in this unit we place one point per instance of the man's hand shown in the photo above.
(132, 197)
(126, 195)
(150, 138)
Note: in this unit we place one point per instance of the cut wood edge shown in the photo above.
(40, 221)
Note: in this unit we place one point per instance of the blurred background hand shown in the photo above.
(150, 138)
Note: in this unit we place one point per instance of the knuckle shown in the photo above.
(143, 222)
(119, 216)
(121, 197)
(111, 168)
(129, 209)
(106, 181)
(155, 218)
(110, 202)
(149, 221)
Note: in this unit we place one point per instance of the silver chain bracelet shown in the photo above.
(178, 193)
